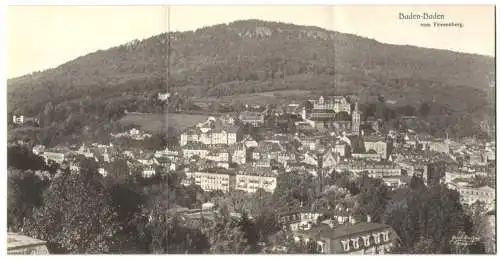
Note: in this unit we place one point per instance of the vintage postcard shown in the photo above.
(263, 129)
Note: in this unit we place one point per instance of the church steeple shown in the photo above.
(356, 119)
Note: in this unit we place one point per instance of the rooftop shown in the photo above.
(344, 230)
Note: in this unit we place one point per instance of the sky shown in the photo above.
(42, 37)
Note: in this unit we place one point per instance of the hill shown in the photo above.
(257, 56)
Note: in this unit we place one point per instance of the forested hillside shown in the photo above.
(254, 56)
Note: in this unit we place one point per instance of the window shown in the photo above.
(376, 237)
(366, 240)
(345, 244)
(355, 242)
(386, 236)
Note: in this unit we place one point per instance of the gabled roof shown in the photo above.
(346, 230)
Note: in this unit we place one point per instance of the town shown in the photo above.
(323, 140)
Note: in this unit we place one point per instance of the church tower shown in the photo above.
(356, 119)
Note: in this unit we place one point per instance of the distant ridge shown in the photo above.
(253, 56)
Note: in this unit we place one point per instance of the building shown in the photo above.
(250, 182)
(440, 146)
(356, 120)
(197, 149)
(366, 156)
(218, 155)
(340, 149)
(323, 113)
(376, 144)
(265, 152)
(374, 169)
(322, 107)
(396, 182)
(163, 96)
(211, 132)
(362, 238)
(249, 141)
(38, 149)
(212, 180)
(469, 195)
(252, 118)
(238, 153)
(18, 119)
(18, 244)
(148, 171)
(54, 157)
(134, 134)
(296, 220)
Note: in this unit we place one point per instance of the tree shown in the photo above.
(424, 109)
(423, 246)
(433, 214)
(267, 224)
(22, 158)
(119, 169)
(24, 194)
(170, 235)
(76, 215)
(294, 189)
(227, 236)
(373, 197)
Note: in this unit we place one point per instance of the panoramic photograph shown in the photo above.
(321, 129)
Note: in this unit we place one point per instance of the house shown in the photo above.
(310, 159)
(440, 146)
(251, 181)
(56, 157)
(366, 156)
(21, 120)
(362, 238)
(309, 142)
(396, 182)
(293, 109)
(285, 157)
(148, 171)
(38, 149)
(212, 179)
(163, 96)
(298, 219)
(329, 160)
(18, 119)
(340, 149)
(249, 142)
(129, 154)
(374, 169)
(376, 144)
(193, 149)
(211, 132)
(267, 150)
(469, 194)
(134, 134)
(220, 156)
(238, 153)
(102, 172)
